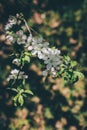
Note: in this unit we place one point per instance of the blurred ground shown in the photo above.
(54, 106)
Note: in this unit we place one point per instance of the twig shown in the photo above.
(27, 26)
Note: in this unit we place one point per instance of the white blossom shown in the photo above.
(16, 61)
(37, 46)
(28, 43)
(16, 74)
(29, 39)
(52, 60)
(21, 37)
(30, 48)
(8, 26)
(45, 73)
(11, 21)
(20, 33)
(10, 38)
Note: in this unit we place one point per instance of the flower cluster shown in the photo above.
(21, 37)
(16, 74)
(50, 56)
(37, 46)
(11, 21)
(15, 36)
(52, 61)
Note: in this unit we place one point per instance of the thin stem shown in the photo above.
(34, 30)
(19, 70)
(27, 26)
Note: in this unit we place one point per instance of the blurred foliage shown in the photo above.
(54, 106)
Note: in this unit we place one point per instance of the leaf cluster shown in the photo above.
(69, 71)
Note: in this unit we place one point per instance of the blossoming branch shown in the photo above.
(26, 46)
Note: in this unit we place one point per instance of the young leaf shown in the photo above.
(79, 74)
(73, 63)
(28, 92)
(27, 58)
(20, 100)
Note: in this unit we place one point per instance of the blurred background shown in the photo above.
(54, 106)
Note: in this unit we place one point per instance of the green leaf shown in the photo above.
(13, 89)
(20, 100)
(48, 113)
(23, 82)
(16, 99)
(67, 58)
(27, 58)
(79, 74)
(74, 78)
(27, 53)
(28, 92)
(73, 63)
